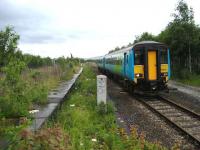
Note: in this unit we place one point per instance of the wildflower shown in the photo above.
(33, 111)
(94, 140)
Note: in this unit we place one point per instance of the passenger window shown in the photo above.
(163, 56)
(139, 57)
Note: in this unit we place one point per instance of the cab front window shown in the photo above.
(139, 57)
(163, 56)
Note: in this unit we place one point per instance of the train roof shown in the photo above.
(120, 51)
(137, 45)
(149, 43)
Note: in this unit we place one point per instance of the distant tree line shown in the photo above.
(10, 52)
(182, 35)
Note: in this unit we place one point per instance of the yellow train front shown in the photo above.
(151, 66)
(144, 66)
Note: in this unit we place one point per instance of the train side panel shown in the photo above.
(129, 65)
(169, 67)
(114, 64)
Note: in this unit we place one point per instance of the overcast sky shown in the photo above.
(85, 28)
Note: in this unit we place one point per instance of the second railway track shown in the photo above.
(183, 119)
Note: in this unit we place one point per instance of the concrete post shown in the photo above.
(101, 89)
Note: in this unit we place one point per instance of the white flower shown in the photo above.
(72, 105)
(33, 111)
(94, 140)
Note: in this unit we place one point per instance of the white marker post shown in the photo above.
(101, 89)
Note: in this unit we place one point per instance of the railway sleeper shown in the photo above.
(173, 115)
(184, 118)
(194, 129)
(191, 125)
(162, 107)
(157, 105)
(166, 110)
(152, 102)
(179, 120)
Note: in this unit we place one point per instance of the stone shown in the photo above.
(101, 89)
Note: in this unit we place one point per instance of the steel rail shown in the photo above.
(186, 110)
(173, 123)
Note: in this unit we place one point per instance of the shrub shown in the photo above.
(47, 139)
(184, 74)
(36, 75)
(102, 108)
(14, 101)
(38, 94)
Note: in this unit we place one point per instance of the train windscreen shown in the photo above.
(163, 56)
(139, 57)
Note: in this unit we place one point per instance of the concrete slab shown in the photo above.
(46, 111)
(37, 124)
(55, 97)
(194, 91)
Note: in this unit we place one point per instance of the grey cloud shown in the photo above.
(32, 25)
(42, 38)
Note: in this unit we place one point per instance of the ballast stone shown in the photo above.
(101, 89)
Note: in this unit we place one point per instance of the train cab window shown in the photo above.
(163, 56)
(139, 57)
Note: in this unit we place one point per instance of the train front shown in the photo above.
(151, 65)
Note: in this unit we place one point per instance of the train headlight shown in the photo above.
(138, 75)
(164, 74)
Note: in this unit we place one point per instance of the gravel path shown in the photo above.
(190, 90)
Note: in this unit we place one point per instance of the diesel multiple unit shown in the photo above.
(144, 66)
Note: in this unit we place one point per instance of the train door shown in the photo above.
(104, 61)
(152, 65)
(124, 64)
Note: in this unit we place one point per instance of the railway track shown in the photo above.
(183, 119)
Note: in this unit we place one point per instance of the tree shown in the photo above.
(8, 45)
(145, 37)
(185, 18)
(182, 35)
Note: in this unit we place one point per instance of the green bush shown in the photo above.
(45, 139)
(36, 75)
(15, 101)
(184, 74)
(38, 94)
(102, 108)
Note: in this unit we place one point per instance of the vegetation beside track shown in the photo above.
(84, 125)
(25, 81)
(191, 79)
(29, 91)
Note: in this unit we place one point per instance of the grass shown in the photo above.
(87, 125)
(42, 80)
(185, 77)
(194, 80)
(38, 82)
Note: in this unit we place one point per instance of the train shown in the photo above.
(144, 66)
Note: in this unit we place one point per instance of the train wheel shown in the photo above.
(125, 84)
(130, 88)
